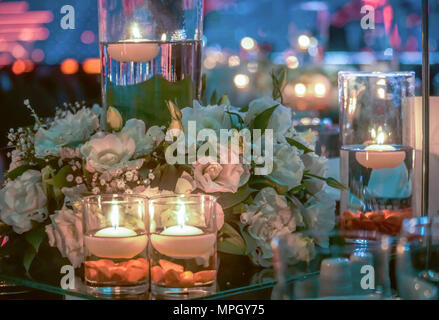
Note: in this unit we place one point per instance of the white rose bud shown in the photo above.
(114, 119)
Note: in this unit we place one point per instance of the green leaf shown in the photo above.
(28, 257)
(279, 81)
(261, 120)
(334, 183)
(231, 241)
(299, 145)
(213, 98)
(250, 242)
(60, 179)
(224, 100)
(329, 181)
(13, 174)
(260, 182)
(34, 238)
(228, 200)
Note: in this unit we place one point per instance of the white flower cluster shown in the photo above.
(71, 155)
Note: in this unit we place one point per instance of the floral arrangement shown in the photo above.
(59, 160)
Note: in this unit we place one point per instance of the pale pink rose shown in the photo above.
(65, 233)
(210, 176)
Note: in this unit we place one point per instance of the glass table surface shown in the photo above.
(237, 279)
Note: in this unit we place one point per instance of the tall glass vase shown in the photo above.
(151, 53)
(377, 150)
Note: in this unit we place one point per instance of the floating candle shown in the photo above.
(116, 242)
(380, 156)
(135, 51)
(182, 241)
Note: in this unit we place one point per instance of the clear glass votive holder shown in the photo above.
(377, 136)
(115, 244)
(183, 250)
(151, 53)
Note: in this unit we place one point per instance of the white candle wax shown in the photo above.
(380, 156)
(116, 243)
(184, 242)
(133, 51)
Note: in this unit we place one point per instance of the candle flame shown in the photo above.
(114, 216)
(381, 136)
(181, 215)
(135, 31)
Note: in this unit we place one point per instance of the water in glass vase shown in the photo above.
(379, 181)
(138, 77)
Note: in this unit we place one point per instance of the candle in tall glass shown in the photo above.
(376, 153)
(115, 243)
(150, 53)
(183, 245)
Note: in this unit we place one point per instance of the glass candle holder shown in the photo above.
(183, 246)
(376, 154)
(115, 244)
(151, 53)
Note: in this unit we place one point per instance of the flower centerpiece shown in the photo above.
(266, 176)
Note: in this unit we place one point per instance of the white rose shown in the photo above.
(72, 128)
(287, 165)
(145, 141)
(109, 153)
(23, 201)
(280, 121)
(207, 117)
(315, 165)
(268, 217)
(65, 233)
(319, 215)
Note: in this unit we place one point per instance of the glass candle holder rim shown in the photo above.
(154, 199)
(115, 197)
(376, 74)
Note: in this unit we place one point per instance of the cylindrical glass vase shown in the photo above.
(377, 150)
(151, 53)
(115, 244)
(183, 246)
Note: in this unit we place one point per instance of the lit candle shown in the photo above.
(135, 49)
(116, 242)
(380, 155)
(182, 241)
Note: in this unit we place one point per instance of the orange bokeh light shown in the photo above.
(69, 66)
(18, 67)
(92, 65)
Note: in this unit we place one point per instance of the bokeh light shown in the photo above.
(248, 43)
(69, 66)
(292, 62)
(303, 41)
(241, 81)
(319, 90)
(300, 89)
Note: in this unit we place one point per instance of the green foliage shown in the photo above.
(14, 174)
(262, 119)
(279, 80)
(228, 200)
(299, 145)
(34, 238)
(260, 182)
(147, 100)
(230, 241)
(329, 181)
